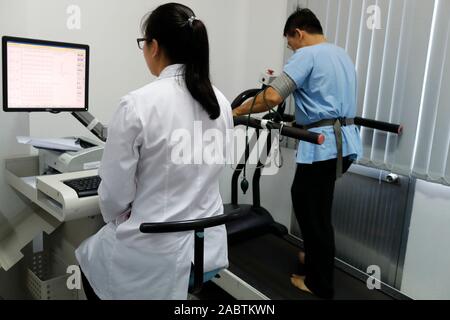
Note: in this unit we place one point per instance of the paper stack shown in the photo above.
(64, 144)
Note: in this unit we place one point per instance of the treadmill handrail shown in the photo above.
(363, 122)
(286, 130)
(359, 121)
(379, 125)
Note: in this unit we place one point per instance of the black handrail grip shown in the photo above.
(367, 123)
(190, 225)
(379, 125)
(287, 131)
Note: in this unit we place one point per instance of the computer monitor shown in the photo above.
(43, 75)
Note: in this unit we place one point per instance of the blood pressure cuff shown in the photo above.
(284, 85)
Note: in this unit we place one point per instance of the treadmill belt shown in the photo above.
(267, 262)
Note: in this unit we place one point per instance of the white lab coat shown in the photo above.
(137, 171)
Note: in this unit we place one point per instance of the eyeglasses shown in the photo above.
(140, 42)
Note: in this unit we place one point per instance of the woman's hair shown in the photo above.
(184, 40)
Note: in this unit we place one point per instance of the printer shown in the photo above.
(57, 161)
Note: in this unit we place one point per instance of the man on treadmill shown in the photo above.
(322, 78)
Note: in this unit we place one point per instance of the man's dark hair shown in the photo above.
(303, 19)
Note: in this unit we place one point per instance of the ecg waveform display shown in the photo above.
(45, 77)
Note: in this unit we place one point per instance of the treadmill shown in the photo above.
(262, 253)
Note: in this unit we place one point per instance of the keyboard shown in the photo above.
(85, 187)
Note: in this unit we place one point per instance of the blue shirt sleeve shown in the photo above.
(299, 67)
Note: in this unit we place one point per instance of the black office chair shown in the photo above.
(198, 226)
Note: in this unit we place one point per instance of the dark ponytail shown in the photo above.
(184, 40)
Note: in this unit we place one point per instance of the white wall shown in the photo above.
(245, 39)
(117, 66)
(243, 44)
(11, 125)
(426, 273)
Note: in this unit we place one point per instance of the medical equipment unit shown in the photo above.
(59, 183)
(48, 76)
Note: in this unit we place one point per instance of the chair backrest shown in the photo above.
(198, 226)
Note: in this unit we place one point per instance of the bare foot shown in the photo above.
(301, 257)
(299, 282)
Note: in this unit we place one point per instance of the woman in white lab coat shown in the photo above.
(143, 179)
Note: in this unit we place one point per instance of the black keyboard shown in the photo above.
(85, 187)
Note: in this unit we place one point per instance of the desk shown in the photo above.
(52, 203)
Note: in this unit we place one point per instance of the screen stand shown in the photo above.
(92, 124)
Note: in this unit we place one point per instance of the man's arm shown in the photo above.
(278, 91)
(272, 99)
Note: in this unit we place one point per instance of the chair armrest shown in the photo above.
(190, 225)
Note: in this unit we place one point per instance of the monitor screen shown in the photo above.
(43, 75)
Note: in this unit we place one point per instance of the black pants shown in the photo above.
(312, 197)
(90, 293)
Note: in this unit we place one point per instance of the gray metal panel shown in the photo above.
(370, 217)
